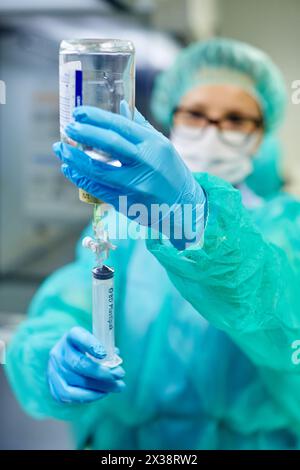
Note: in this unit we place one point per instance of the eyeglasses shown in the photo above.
(234, 129)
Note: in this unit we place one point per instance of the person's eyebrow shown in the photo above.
(194, 107)
(242, 114)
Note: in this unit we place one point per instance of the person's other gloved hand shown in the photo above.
(152, 172)
(73, 376)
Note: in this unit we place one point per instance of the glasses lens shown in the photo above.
(235, 122)
(190, 118)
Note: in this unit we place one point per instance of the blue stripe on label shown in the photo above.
(78, 88)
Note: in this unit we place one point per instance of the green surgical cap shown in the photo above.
(221, 61)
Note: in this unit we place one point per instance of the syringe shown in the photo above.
(103, 313)
(103, 287)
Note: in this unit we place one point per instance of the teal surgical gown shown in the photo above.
(205, 335)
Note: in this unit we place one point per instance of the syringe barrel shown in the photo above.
(103, 313)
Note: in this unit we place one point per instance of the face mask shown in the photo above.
(208, 153)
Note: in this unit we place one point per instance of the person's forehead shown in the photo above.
(222, 98)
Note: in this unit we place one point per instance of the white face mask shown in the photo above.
(208, 153)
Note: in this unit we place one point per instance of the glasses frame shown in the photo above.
(258, 122)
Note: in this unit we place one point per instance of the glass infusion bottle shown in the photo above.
(95, 72)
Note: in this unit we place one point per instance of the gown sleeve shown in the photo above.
(245, 285)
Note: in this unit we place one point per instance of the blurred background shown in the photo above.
(40, 215)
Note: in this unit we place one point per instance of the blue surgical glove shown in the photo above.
(75, 377)
(151, 171)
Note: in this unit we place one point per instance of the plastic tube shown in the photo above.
(103, 313)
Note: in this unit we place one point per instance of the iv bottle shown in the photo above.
(95, 72)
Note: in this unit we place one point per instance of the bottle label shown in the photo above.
(70, 91)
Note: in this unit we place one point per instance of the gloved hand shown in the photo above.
(74, 377)
(151, 170)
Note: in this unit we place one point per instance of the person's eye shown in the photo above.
(196, 114)
(235, 119)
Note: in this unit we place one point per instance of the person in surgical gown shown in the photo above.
(206, 333)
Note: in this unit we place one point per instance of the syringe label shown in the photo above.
(110, 319)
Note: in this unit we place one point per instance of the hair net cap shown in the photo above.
(224, 61)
